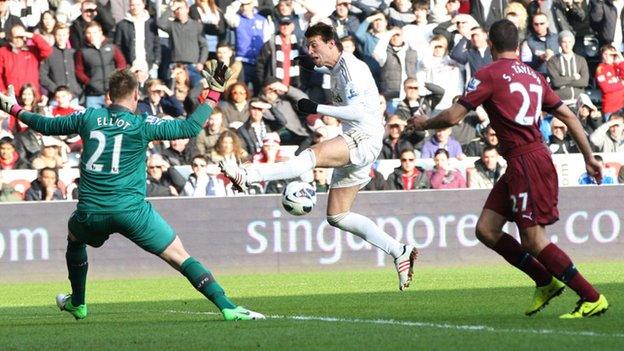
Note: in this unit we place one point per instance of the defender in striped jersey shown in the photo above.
(356, 99)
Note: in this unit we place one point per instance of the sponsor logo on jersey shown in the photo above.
(472, 85)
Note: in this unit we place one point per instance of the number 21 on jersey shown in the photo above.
(522, 117)
(101, 140)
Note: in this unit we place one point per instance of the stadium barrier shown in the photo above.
(254, 234)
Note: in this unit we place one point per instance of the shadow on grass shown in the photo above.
(444, 317)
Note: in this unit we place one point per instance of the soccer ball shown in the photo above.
(298, 198)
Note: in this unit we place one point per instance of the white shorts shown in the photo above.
(363, 151)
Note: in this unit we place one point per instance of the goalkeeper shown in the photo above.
(113, 178)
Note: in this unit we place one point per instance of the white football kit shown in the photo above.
(356, 104)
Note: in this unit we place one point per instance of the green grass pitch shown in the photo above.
(450, 308)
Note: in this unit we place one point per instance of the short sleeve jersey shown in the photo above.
(513, 95)
(113, 161)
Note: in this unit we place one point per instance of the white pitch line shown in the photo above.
(459, 327)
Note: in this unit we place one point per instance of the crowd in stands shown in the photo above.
(58, 55)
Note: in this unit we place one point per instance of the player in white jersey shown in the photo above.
(351, 154)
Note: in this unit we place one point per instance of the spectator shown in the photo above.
(181, 86)
(400, 13)
(9, 157)
(568, 72)
(457, 27)
(207, 13)
(397, 62)
(441, 70)
(90, 11)
(419, 33)
(45, 27)
(162, 180)
(286, 8)
(278, 57)
(607, 173)
(517, 14)
(604, 19)
(7, 21)
(60, 68)
(560, 141)
(19, 62)
(443, 176)
(540, 44)
(30, 12)
(61, 104)
(180, 152)
(229, 149)
(160, 101)
(186, 39)
(414, 103)
(368, 35)
(488, 138)
(588, 114)
(200, 183)
(137, 38)
(261, 122)
(609, 137)
(610, 79)
(408, 176)
(225, 54)
(7, 191)
(442, 140)
(50, 155)
(270, 150)
(283, 99)
(395, 142)
(252, 31)
(320, 181)
(346, 24)
(377, 182)
(207, 138)
(473, 51)
(95, 61)
(487, 170)
(45, 187)
(487, 12)
(235, 105)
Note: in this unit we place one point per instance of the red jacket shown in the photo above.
(22, 66)
(610, 80)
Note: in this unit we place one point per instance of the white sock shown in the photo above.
(366, 229)
(293, 168)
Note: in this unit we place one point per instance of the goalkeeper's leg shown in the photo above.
(203, 280)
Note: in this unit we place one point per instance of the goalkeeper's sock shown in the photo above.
(204, 282)
(77, 266)
(293, 168)
(512, 252)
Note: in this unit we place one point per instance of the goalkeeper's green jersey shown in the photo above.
(113, 161)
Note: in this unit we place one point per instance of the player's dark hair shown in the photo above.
(326, 32)
(504, 36)
(122, 83)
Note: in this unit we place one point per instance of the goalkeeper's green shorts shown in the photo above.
(144, 226)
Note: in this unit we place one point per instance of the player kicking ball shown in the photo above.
(112, 184)
(514, 96)
(351, 154)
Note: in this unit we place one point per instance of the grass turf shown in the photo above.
(451, 308)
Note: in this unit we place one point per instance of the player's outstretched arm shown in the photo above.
(346, 113)
(39, 123)
(447, 118)
(215, 75)
(566, 116)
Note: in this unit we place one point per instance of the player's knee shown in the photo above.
(485, 234)
(334, 220)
